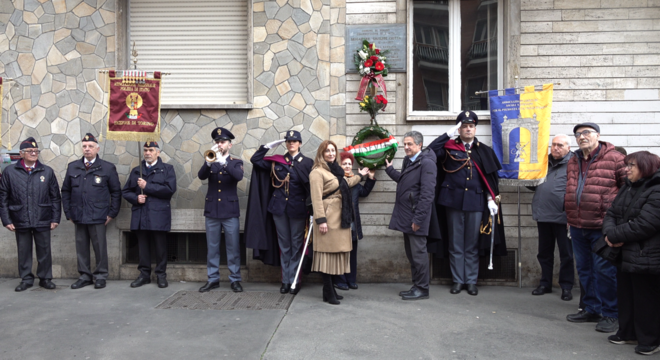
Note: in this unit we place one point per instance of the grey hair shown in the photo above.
(568, 139)
(417, 137)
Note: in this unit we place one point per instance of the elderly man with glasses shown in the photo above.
(594, 177)
(31, 206)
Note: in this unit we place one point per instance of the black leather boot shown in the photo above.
(328, 290)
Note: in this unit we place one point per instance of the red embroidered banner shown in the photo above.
(134, 106)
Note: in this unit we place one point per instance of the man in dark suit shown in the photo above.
(30, 205)
(469, 188)
(91, 197)
(151, 216)
(222, 210)
(415, 192)
(290, 189)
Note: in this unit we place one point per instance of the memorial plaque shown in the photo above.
(390, 37)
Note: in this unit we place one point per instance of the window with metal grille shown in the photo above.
(182, 248)
(204, 44)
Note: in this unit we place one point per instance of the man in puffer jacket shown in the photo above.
(31, 206)
(594, 177)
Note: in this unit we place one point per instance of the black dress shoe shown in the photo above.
(22, 287)
(416, 294)
(81, 284)
(341, 287)
(285, 288)
(472, 289)
(140, 281)
(99, 284)
(352, 286)
(209, 286)
(541, 290)
(583, 316)
(46, 284)
(295, 290)
(456, 288)
(566, 295)
(407, 292)
(162, 283)
(236, 286)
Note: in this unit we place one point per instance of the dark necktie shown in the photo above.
(467, 147)
(29, 170)
(88, 165)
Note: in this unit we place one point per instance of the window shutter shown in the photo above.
(203, 43)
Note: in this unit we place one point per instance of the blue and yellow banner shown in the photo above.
(521, 134)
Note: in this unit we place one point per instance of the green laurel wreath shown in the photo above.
(365, 132)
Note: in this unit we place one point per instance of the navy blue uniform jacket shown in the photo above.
(487, 161)
(89, 197)
(221, 197)
(30, 200)
(155, 214)
(260, 234)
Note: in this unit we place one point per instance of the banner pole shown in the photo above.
(519, 244)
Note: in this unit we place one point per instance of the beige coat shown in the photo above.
(336, 240)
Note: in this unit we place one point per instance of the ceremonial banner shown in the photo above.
(521, 132)
(133, 106)
(2, 96)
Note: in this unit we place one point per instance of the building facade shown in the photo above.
(260, 68)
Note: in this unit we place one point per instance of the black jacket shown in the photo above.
(155, 214)
(640, 235)
(89, 197)
(357, 192)
(415, 191)
(29, 200)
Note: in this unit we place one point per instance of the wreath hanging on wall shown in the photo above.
(371, 64)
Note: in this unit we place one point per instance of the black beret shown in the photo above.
(29, 143)
(150, 144)
(90, 137)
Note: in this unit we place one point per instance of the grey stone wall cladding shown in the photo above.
(54, 49)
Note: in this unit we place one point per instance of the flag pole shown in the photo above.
(516, 88)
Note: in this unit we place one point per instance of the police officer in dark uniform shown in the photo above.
(222, 210)
(151, 216)
(290, 180)
(468, 188)
(91, 197)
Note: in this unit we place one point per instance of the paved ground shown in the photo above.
(371, 323)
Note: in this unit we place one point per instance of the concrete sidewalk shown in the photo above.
(371, 323)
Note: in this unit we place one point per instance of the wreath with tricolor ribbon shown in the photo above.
(386, 146)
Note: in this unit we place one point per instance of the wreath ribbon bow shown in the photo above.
(364, 83)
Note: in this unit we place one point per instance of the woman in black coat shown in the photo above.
(349, 280)
(632, 224)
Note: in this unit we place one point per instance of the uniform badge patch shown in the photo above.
(97, 179)
(43, 179)
(299, 159)
(467, 113)
(290, 133)
(34, 144)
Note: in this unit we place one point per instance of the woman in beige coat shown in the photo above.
(333, 214)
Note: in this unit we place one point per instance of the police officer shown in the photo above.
(30, 205)
(91, 197)
(468, 189)
(290, 182)
(222, 210)
(151, 216)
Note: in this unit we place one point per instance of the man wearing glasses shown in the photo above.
(594, 177)
(30, 206)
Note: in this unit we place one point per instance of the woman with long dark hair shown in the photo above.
(632, 223)
(333, 214)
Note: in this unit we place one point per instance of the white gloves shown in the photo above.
(492, 206)
(222, 160)
(274, 144)
(453, 131)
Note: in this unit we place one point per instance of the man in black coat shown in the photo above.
(30, 205)
(285, 209)
(222, 210)
(415, 191)
(468, 193)
(91, 197)
(151, 216)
